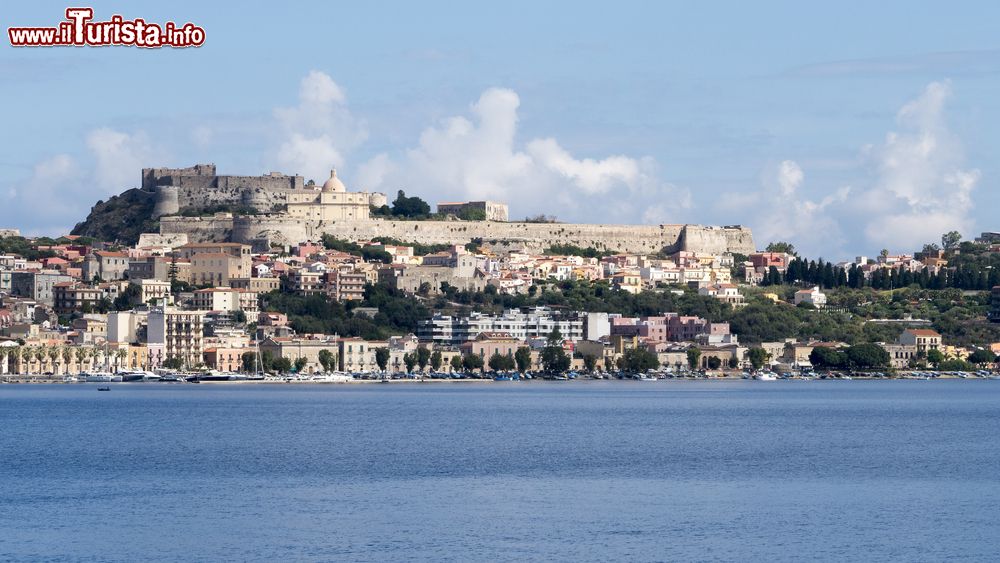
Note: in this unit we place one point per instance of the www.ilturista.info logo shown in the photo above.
(78, 30)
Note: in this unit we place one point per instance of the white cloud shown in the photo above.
(479, 157)
(922, 188)
(790, 177)
(779, 211)
(916, 188)
(61, 189)
(319, 130)
(119, 158)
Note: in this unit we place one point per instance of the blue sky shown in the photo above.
(845, 128)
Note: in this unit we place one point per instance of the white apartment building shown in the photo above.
(538, 322)
(180, 333)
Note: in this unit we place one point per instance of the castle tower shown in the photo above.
(255, 197)
(167, 201)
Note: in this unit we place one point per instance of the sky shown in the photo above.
(844, 128)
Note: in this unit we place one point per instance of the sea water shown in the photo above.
(512, 471)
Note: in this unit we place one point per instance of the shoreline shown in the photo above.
(45, 380)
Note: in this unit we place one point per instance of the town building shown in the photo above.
(105, 265)
(812, 296)
(332, 202)
(488, 343)
(725, 292)
(179, 333)
(68, 297)
(924, 339)
(535, 323)
(36, 285)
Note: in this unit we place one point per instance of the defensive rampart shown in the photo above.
(263, 230)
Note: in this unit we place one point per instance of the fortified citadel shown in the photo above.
(284, 210)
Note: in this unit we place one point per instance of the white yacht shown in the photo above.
(765, 376)
(98, 377)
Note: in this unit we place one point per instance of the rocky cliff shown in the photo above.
(121, 218)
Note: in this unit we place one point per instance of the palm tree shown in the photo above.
(67, 354)
(119, 356)
(81, 355)
(18, 354)
(100, 356)
(54, 354)
(30, 353)
(4, 352)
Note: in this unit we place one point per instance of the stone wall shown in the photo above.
(534, 236)
(198, 187)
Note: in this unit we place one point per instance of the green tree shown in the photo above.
(382, 358)
(868, 356)
(436, 360)
(758, 357)
(553, 357)
(639, 360)
(409, 360)
(456, 363)
(522, 357)
(409, 207)
(826, 357)
(955, 364)
(173, 362)
(423, 357)
(127, 298)
(981, 356)
(248, 359)
(781, 246)
(694, 356)
(950, 240)
(589, 362)
(472, 362)
(282, 364)
(934, 356)
(713, 362)
(327, 360)
(496, 362)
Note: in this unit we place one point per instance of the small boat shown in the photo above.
(765, 376)
(104, 389)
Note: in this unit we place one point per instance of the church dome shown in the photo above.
(334, 184)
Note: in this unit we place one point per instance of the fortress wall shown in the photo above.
(264, 199)
(267, 182)
(535, 236)
(626, 238)
(716, 240)
(199, 229)
(152, 177)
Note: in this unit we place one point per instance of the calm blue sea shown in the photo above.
(580, 471)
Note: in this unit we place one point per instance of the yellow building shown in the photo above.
(331, 203)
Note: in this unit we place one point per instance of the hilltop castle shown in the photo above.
(284, 210)
(199, 187)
